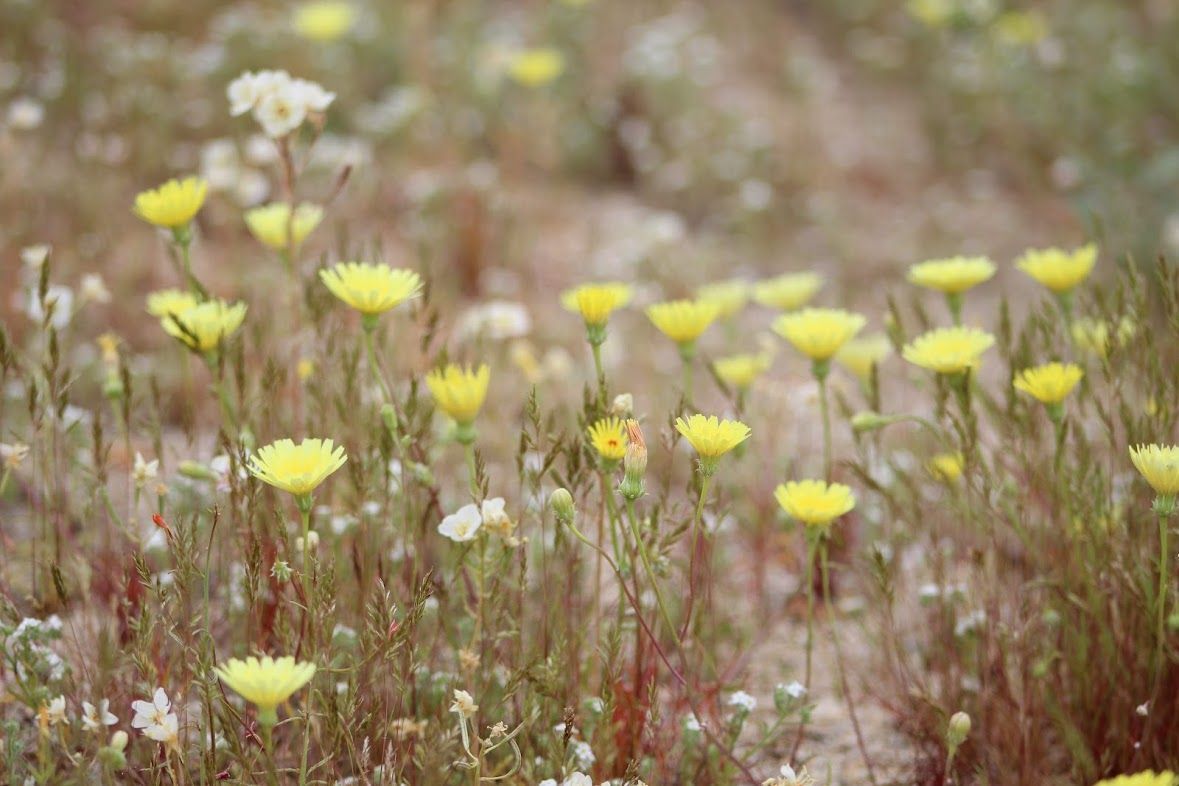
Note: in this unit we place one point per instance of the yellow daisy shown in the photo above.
(859, 355)
(948, 350)
(1050, 383)
(819, 333)
(204, 326)
(952, 276)
(273, 225)
(1147, 778)
(946, 467)
(536, 67)
(683, 321)
(712, 437)
(1159, 465)
(266, 683)
(324, 21)
(173, 204)
(789, 291)
(1095, 336)
(298, 469)
(729, 296)
(371, 289)
(596, 302)
(815, 503)
(458, 391)
(608, 436)
(170, 301)
(739, 371)
(1056, 269)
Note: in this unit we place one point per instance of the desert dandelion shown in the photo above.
(789, 291)
(275, 227)
(952, 277)
(1159, 465)
(1050, 384)
(953, 350)
(266, 682)
(204, 327)
(1060, 271)
(684, 321)
(608, 437)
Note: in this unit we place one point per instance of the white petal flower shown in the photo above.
(151, 713)
(463, 525)
(144, 470)
(95, 718)
(464, 703)
(242, 93)
(281, 111)
(55, 711)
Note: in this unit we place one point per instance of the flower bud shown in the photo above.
(561, 501)
(281, 570)
(958, 730)
(870, 421)
(119, 740)
(623, 406)
(196, 471)
(634, 463)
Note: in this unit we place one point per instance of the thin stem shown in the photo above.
(472, 470)
(705, 480)
(1162, 598)
(371, 354)
(812, 540)
(646, 560)
(825, 411)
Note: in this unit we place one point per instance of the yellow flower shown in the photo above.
(596, 302)
(1093, 335)
(859, 354)
(170, 301)
(266, 683)
(371, 289)
(272, 224)
(1020, 28)
(173, 204)
(297, 468)
(458, 391)
(931, 13)
(815, 503)
(819, 333)
(1159, 464)
(536, 67)
(1147, 778)
(1058, 270)
(789, 291)
(608, 437)
(204, 326)
(683, 320)
(948, 350)
(946, 467)
(304, 369)
(712, 438)
(1050, 383)
(740, 371)
(729, 296)
(952, 276)
(324, 21)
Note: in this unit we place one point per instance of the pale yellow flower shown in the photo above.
(204, 326)
(815, 502)
(273, 225)
(729, 296)
(1147, 778)
(1095, 337)
(371, 289)
(324, 20)
(298, 469)
(173, 204)
(789, 291)
(683, 320)
(596, 302)
(170, 301)
(819, 333)
(952, 276)
(458, 391)
(948, 350)
(740, 371)
(711, 436)
(946, 467)
(1060, 271)
(859, 355)
(1050, 383)
(265, 683)
(608, 436)
(536, 67)
(1159, 465)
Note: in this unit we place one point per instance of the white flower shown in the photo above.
(795, 690)
(94, 288)
(242, 93)
(463, 525)
(578, 779)
(156, 719)
(692, 723)
(742, 701)
(34, 256)
(12, 456)
(547, 782)
(144, 470)
(281, 111)
(94, 718)
(495, 519)
(59, 300)
(55, 712)
(314, 97)
(464, 704)
(25, 114)
(790, 778)
(583, 754)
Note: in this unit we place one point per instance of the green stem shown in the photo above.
(305, 504)
(1162, 598)
(825, 411)
(705, 480)
(472, 470)
(371, 354)
(646, 560)
(812, 542)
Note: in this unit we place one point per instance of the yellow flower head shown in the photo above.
(596, 302)
(1050, 383)
(739, 371)
(729, 296)
(1093, 335)
(173, 204)
(204, 326)
(711, 437)
(948, 350)
(273, 225)
(1147, 778)
(458, 391)
(297, 468)
(324, 20)
(819, 333)
(932, 13)
(952, 276)
(946, 467)
(1159, 464)
(789, 291)
(536, 67)
(608, 436)
(1058, 270)
(265, 683)
(683, 320)
(371, 289)
(859, 355)
(170, 301)
(1021, 28)
(815, 503)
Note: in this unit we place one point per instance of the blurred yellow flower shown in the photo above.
(459, 391)
(819, 333)
(1020, 28)
(304, 369)
(711, 437)
(266, 683)
(739, 371)
(683, 320)
(596, 302)
(536, 67)
(1159, 464)
(952, 276)
(370, 288)
(1050, 383)
(815, 503)
(204, 326)
(729, 296)
(1147, 778)
(946, 467)
(948, 350)
(324, 21)
(170, 301)
(273, 226)
(1059, 270)
(608, 436)
(789, 291)
(297, 468)
(858, 355)
(1093, 335)
(931, 13)
(173, 204)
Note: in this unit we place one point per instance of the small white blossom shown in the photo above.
(463, 525)
(583, 754)
(55, 712)
(156, 719)
(742, 701)
(144, 470)
(59, 301)
(280, 112)
(94, 718)
(795, 689)
(93, 288)
(34, 257)
(25, 114)
(464, 704)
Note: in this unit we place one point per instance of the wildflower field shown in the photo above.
(575, 392)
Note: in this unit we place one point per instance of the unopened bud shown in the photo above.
(634, 463)
(623, 406)
(958, 730)
(196, 471)
(870, 421)
(119, 740)
(561, 501)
